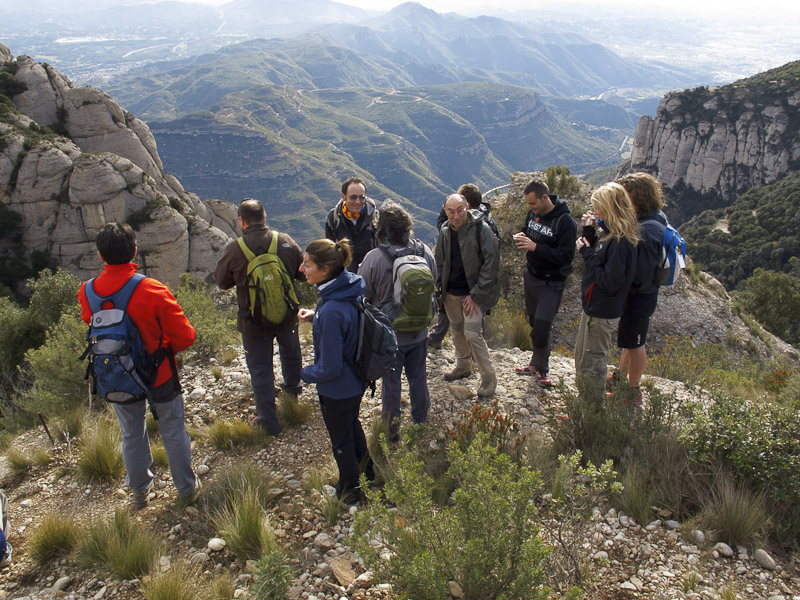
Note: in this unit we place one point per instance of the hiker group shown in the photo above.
(380, 290)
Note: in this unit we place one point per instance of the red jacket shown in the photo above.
(154, 312)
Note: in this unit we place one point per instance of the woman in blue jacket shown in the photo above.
(335, 329)
(608, 247)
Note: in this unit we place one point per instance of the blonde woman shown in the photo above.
(608, 247)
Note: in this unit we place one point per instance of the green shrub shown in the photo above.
(757, 439)
(734, 513)
(272, 578)
(56, 369)
(101, 452)
(159, 454)
(574, 492)
(70, 425)
(19, 462)
(291, 411)
(507, 326)
(242, 477)
(127, 548)
(431, 545)
(54, 538)
(225, 435)
(222, 588)
(215, 327)
(245, 527)
(180, 582)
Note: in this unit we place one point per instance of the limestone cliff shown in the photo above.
(71, 160)
(724, 140)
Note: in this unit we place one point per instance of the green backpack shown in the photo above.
(271, 296)
(413, 286)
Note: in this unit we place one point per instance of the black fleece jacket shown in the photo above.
(609, 270)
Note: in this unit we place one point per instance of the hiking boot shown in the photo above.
(487, 389)
(140, 500)
(460, 372)
(544, 379)
(526, 370)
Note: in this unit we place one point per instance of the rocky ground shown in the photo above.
(630, 560)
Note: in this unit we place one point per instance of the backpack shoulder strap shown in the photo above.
(273, 245)
(248, 254)
(123, 295)
(390, 252)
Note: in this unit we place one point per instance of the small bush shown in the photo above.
(216, 372)
(178, 583)
(215, 328)
(314, 480)
(71, 424)
(19, 462)
(431, 545)
(507, 327)
(229, 354)
(637, 496)
(226, 435)
(101, 453)
(758, 439)
(159, 454)
(222, 588)
(55, 538)
(241, 478)
(737, 515)
(291, 411)
(245, 527)
(42, 457)
(122, 545)
(56, 369)
(272, 578)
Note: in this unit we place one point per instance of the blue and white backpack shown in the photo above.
(121, 368)
(673, 257)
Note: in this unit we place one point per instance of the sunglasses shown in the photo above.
(354, 197)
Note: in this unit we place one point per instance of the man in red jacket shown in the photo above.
(160, 320)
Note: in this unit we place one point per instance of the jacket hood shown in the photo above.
(347, 286)
(559, 209)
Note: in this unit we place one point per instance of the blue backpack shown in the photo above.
(673, 257)
(121, 368)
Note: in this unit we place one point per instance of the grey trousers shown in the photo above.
(591, 348)
(136, 444)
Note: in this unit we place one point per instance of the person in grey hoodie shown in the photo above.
(394, 233)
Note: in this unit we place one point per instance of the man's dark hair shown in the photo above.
(116, 243)
(252, 211)
(472, 193)
(394, 224)
(537, 188)
(350, 181)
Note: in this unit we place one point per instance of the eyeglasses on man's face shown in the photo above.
(458, 211)
(357, 197)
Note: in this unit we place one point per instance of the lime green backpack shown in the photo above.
(270, 293)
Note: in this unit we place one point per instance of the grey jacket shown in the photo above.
(482, 277)
(376, 269)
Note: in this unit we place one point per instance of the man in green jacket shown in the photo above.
(468, 261)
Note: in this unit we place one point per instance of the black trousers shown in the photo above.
(348, 442)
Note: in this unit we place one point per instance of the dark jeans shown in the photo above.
(348, 442)
(542, 300)
(412, 358)
(258, 354)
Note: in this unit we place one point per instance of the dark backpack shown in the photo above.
(121, 369)
(486, 212)
(377, 344)
(271, 298)
(411, 307)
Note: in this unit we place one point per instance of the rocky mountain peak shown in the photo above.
(71, 160)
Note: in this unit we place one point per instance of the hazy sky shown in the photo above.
(777, 11)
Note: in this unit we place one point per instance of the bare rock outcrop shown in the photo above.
(725, 139)
(105, 167)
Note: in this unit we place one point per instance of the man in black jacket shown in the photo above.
(548, 238)
(355, 217)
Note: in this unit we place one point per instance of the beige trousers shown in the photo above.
(468, 339)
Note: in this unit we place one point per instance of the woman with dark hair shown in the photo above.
(335, 329)
(608, 247)
(647, 198)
